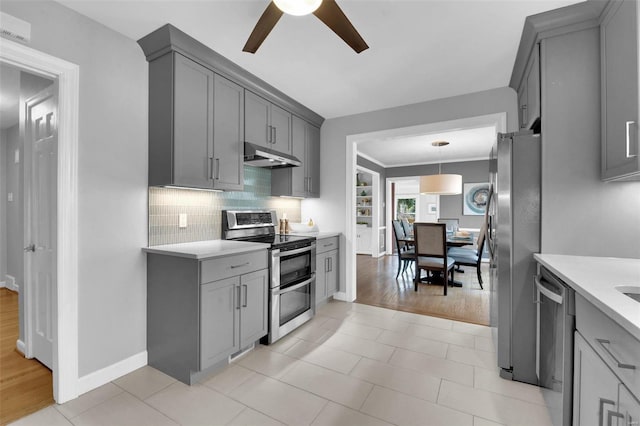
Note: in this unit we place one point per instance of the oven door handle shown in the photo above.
(550, 294)
(292, 252)
(297, 286)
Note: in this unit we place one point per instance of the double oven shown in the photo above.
(292, 268)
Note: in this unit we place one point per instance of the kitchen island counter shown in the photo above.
(206, 249)
(596, 279)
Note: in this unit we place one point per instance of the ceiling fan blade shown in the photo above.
(265, 24)
(330, 13)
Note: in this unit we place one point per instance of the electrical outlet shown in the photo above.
(182, 220)
(10, 196)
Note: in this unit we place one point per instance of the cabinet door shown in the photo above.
(228, 135)
(619, 55)
(219, 320)
(322, 268)
(256, 119)
(595, 387)
(332, 273)
(192, 124)
(522, 106)
(254, 319)
(312, 160)
(629, 408)
(298, 174)
(533, 89)
(281, 127)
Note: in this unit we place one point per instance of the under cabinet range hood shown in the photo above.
(260, 156)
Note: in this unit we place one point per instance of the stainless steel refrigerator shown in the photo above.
(514, 235)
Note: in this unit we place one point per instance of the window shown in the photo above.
(406, 208)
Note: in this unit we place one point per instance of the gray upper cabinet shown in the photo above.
(267, 124)
(619, 62)
(303, 181)
(529, 92)
(195, 126)
(228, 135)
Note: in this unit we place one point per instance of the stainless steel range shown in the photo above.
(292, 267)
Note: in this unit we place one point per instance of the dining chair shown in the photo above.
(430, 242)
(406, 226)
(471, 257)
(405, 254)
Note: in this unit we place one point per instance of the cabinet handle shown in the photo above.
(275, 134)
(217, 169)
(602, 343)
(246, 295)
(210, 168)
(238, 293)
(601, 403)
(240, 266)
(611, 415)
(330, 264)
(523, 111)
(327, 245)
(310, 184)
(628, 128)
(326, 265)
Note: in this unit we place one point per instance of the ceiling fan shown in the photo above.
(327, 11)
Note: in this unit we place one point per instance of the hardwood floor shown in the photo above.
(377, 286)
(25, 385)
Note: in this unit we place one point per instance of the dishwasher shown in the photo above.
(554, 344)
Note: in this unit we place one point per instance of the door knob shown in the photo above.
(31, 247)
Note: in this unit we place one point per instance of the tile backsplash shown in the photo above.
(203, 208)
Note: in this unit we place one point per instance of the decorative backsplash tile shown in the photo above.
(204, 208)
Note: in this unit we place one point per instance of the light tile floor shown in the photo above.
(351, 365)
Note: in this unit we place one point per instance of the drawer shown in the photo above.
(327, 244)
(616, 346)
(231, 266)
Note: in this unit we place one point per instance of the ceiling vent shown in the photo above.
(15, 29)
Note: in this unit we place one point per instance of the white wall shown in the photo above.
(329, 210)
(112, 177)
(3, 206)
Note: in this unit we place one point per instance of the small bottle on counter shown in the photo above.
(286, 226)
(282, 227)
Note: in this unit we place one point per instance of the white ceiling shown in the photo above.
(464, 145)
(419, 49)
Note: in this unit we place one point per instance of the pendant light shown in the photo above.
(297, 7)
(441, 184)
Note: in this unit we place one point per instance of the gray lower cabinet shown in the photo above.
(201, 311)
(303, 181)
(327, 272)
(606, 384)
(196, 126)
(619, 44)
(233, 315)
(267, 124)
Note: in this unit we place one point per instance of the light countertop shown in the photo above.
(595, 278)
(206, 249)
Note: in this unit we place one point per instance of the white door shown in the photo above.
(41, 147)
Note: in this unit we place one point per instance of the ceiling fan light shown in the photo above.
(298, 7)
(441, 184)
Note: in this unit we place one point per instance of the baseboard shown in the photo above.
(10, 283)
(105, 375)
(341, 295)
(21, 347)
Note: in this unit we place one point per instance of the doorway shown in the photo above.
(491, 123)
(64, 313)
